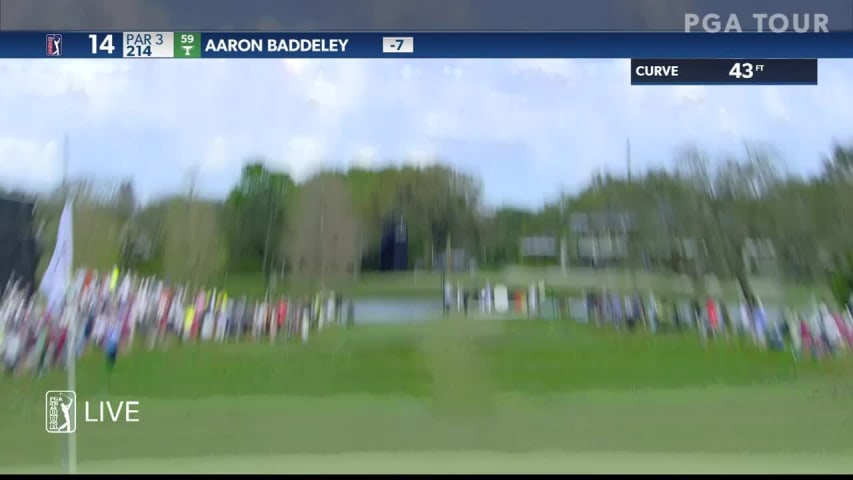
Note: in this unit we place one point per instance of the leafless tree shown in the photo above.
(323, 243)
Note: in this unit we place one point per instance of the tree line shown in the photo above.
(329, 226)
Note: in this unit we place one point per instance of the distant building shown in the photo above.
(759, 256)
(460, 261)
(601, 237)
(539, 247)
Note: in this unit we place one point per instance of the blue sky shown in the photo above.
(528, 128)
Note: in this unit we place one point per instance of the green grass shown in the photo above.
(479, 462)
(560, 390)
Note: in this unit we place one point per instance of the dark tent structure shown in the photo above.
(394, 247)
(19, 253)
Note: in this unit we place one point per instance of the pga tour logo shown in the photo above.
(60, 411)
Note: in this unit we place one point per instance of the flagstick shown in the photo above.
(71, 346)
(71, 338)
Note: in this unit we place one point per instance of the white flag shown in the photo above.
(57, 277)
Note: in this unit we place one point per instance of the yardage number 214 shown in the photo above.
(142, 46)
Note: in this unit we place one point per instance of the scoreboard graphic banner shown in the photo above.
(657, 58)
(423, 45)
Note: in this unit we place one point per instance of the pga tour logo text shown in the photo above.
(61, 411)
(53, 45)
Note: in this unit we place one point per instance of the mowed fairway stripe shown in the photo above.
(476, 462)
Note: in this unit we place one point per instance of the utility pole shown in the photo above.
(630, 223)
(323, 205)
(266, 268)
(628, 157)
(192, 177)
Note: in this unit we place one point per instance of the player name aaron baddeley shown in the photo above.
(276, 45)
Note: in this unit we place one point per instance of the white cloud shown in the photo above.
(365, 156)
(541, 123)
(302, 156)
(453, 72)
(773, 102)
(726, 122)
(295, 66)
(100, 85)
(689, 95)
(409, 71)
(422, 156)
(217, 156)
(333, 88)
(29, 163)
(445, 123)
(43, 79)
(548, 69)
